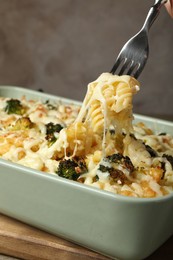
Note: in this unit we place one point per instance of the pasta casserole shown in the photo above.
(96, 144)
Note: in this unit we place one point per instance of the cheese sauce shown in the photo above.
(120, 157)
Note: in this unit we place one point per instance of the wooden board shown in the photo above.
(20, 240)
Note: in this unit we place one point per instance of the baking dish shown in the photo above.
(116, 226)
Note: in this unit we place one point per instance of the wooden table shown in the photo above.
(22, 241)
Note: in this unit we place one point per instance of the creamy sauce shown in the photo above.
(101, 127)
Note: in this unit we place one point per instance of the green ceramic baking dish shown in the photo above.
(116, 226)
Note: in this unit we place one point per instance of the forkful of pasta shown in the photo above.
(134, 54)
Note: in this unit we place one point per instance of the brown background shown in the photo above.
(61, 45)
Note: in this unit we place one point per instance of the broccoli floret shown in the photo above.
(51, 129)
(117, 175)
(23, 123)
(71, 168)
(14, 106)
(123, 160)
(116, 161)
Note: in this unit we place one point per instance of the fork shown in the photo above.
(134, 54)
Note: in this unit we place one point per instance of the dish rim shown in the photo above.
(78, 185)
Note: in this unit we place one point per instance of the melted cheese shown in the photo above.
(87, 133)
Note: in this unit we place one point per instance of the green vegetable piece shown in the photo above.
(23, 123)
(71, 168)
(51, 129)
(114, 161)
(14, 106)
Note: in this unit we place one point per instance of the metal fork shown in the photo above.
(134, 54)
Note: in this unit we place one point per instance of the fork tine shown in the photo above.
(133, 69)
(138, 71)
(116, 65)
(125, 66)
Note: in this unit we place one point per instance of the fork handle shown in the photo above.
(152, 14)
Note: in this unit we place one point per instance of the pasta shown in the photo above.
(95, 144)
